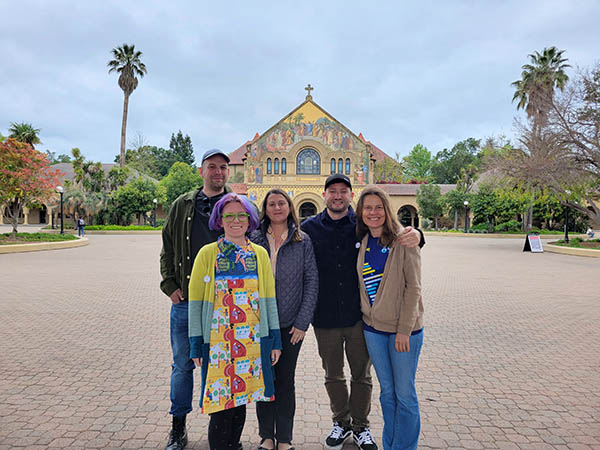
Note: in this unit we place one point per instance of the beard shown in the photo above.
(337, 207)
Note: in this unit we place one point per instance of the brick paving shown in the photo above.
(511, 358)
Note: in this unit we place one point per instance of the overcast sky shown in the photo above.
(401, 74)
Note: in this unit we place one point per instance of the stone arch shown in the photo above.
(305, 199)
(408, 216)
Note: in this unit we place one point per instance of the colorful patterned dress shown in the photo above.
(235, 375)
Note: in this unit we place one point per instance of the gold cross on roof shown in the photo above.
(308, 89)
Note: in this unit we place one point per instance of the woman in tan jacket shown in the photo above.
(390, 291)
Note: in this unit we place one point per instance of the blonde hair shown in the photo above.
(391, 226)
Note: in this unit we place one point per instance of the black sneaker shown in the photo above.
(337, 436)
(364, 439)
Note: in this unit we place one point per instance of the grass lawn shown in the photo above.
(593, 244)
(121, 228)
(23, 238)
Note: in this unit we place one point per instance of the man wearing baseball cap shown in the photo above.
(338, 319)
(184, 233)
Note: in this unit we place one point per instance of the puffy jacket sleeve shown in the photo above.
(310, 289)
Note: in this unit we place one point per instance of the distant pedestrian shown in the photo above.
(590, 232)
(81, 227)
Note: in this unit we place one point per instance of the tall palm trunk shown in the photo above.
(456, 219)
(123, 129)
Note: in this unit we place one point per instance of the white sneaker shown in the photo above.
(364, 439)
(337, 436)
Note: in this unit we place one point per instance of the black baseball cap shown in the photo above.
(214, 152)
(338, 178)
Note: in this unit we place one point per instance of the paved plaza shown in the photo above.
(511, 354)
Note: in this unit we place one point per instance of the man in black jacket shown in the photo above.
(338, 319)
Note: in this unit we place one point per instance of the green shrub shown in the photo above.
(480, 227)
(121, 228)
(37, 237)
(511, 225)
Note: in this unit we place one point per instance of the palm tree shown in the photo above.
(24, 132)
(535, 89)
(127, 62)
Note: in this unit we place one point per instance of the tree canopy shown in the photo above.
(26, 180)
(24, 132)
(127, 62)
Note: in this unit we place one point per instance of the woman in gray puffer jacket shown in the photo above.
(296, 287)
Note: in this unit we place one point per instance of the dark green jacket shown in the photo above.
(175, 257)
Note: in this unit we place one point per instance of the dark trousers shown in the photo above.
(276, 419)
(225, 428)
(348, 409)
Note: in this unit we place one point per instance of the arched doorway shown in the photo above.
(408, 217)
(307, 209)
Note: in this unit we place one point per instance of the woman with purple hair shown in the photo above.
(233, 322)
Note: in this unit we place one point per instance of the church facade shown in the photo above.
(300, 151)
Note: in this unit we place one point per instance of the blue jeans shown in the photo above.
(182, 372)
(399, 403)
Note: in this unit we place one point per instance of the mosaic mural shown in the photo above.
(306, 124)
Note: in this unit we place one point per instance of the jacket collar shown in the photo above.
(325, 217)
(191, 195)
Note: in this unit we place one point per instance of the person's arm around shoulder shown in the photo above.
(310, 291)
(411, 237)
(409, 307)
(169, 284)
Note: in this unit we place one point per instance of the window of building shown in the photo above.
(283, 166)
(269, 166)
(340, 166)
(276, 166)
(347, 166)
(308, 162)
(332, 165)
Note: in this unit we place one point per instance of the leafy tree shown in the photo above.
(454, 201)
(535, 90)
(417, 165)
(136, 198)
(145, 160)
(62, 158)
(575, 120)
(26, 178)
(2, 138)
(388, 170)
(182, 148)
(24, 132)
(430, 201)
(485, 206)
(181, 179)
(128, 64)
(447, 164)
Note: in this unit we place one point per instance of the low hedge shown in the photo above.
(5, 238)
(121, 228)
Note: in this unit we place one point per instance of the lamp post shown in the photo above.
(154, 214)
(567, 220)
(466, 203)
(60, 190)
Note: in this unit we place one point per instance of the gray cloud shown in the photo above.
(401, 74)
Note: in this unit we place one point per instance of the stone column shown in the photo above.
(25, 215)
